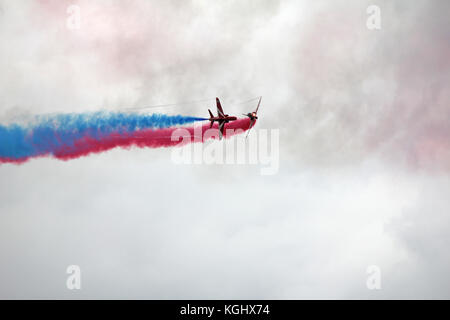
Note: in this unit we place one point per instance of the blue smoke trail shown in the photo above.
(50, 132)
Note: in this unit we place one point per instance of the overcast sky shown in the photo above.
(364, 120)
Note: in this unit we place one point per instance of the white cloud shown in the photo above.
(363, 165)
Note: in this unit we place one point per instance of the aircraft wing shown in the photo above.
(259, 102)
(252, 122)
(221, 128)
(219, 108)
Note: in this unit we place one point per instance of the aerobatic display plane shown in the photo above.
(253, 116)
(221, 118)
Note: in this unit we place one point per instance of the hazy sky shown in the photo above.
(364, 176)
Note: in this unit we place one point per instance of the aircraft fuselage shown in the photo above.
(225, 119)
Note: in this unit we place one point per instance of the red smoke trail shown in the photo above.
(147, 138)
(15, 161)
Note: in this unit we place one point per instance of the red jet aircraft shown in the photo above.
(253, 116)
(221, 118)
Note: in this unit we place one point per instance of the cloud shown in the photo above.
(363, 118)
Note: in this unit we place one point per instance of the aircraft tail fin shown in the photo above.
(210, 114)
